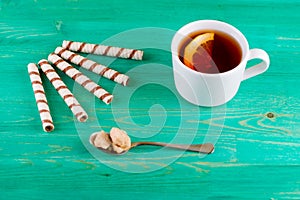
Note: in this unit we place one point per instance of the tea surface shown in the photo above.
(224, 54)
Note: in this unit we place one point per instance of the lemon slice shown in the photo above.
(199, 51)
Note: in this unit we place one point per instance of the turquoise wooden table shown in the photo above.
(256, 135)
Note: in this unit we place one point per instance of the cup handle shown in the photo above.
(259, 68)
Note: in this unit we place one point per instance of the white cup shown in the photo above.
(205, 89)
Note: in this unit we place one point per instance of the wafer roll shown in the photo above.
(40, 97)
(92, 66)
(99, 49)
(63, 91)
(83, 80)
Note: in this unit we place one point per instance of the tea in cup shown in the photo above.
(209, 62)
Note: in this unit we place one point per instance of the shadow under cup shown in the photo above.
(208, 89)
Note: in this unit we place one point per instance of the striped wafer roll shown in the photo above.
(63, 91)
(99, 49)
(83, 80)
(92, 66)
(40, 97)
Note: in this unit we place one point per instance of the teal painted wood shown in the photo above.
(256, 157)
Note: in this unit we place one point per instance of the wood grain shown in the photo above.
(256, 156)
